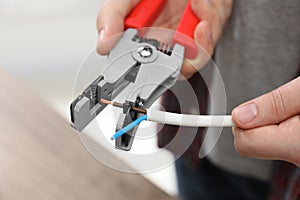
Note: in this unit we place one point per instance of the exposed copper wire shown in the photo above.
(120, 105)
(140, 110)
(104, 101)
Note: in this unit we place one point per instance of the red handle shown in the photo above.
(144, 14)
(186, 28)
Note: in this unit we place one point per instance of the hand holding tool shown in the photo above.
(137, 62)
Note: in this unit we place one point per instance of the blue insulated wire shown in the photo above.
(129, 127)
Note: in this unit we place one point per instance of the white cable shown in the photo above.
(190, 120)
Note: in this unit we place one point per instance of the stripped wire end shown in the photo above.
(120, 105)
(132, 124)
(104, 101)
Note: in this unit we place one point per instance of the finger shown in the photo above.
(205, 48)
(271, 142)
(215, 12)
(205, 10)
(206, 34)
(110, 21)
(262, 142)
(270, 108)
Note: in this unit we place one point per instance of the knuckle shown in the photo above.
(277, 103)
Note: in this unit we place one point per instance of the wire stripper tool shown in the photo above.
(146, 56)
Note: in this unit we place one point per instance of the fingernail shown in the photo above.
(209, 34)
(101, 34)
(246, 113)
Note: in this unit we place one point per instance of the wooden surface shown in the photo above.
(42, 158)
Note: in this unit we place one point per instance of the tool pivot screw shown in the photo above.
(145, 51)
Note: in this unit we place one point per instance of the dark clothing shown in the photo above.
(209, 182)
(259, 51)
(286, 182)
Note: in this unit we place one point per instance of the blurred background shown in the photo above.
(42, 44)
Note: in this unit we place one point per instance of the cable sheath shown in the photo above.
(190, 120)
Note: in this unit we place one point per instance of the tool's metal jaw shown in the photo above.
(145, 65)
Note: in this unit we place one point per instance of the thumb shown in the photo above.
(110, 21)
(271, 108)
